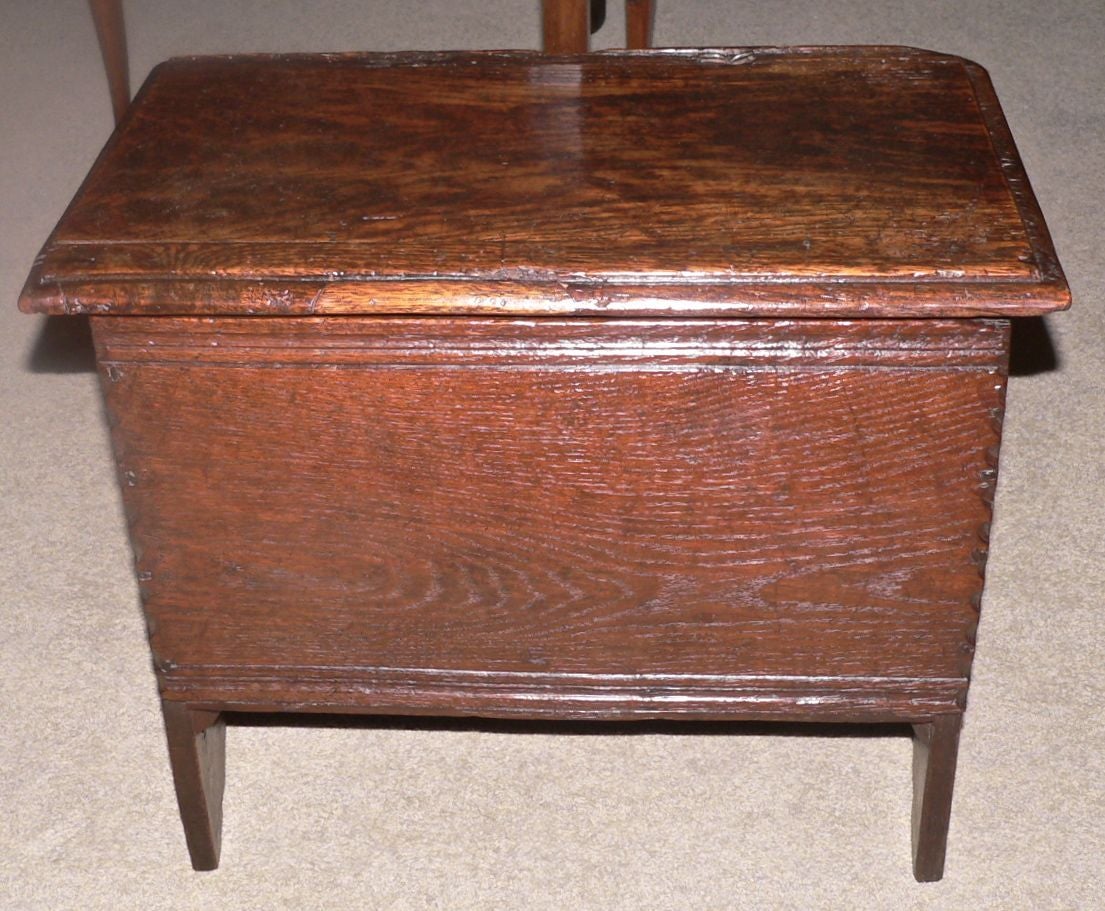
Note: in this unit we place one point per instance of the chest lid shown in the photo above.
(757, 182)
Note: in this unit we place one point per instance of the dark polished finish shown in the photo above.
(662, 385)
(833, 182)
(615, 504)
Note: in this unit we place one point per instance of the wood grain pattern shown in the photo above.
(601, 697)
(663, 385)
(536, 343)
(541, 298)
(760, 182)
(652, 501)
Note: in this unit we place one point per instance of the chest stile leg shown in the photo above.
(935, 750)
(197, 753)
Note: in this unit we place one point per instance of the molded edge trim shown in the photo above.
(545, 695)
(919, 299)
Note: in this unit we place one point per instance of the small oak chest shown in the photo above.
(635, 385)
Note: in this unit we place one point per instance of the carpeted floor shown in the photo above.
(448, 816)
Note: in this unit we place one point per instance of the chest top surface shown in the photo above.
(757, 182)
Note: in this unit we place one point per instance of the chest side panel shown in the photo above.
(651, 504)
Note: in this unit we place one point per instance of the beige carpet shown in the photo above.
(452, 817)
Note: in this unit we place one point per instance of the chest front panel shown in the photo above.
(637, 498)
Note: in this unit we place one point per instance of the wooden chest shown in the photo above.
(645, 385)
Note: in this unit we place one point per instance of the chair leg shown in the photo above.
(197, 754)
(107, 15)
(935, 749)
(598, 15)
(566, 26)
(638, 23)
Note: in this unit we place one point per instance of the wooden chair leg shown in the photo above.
(598, 15)
(112, 34)
(935, 749)
(567, 26)
(197, 753)
(638, 23)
